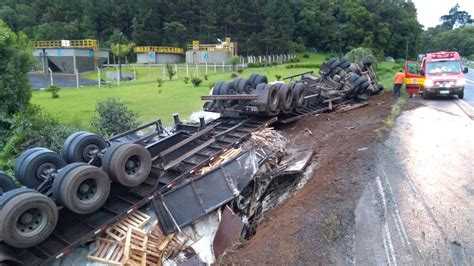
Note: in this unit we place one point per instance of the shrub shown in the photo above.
(278, 77)
(206, 76)
(53, 90)
(32, 127)
(196, 81)
(160, 82)
(274, 63)
(255, 65)
(240, 71)
(112, 117)
(170, 71)
(305, 55)
(186, 80)
(358, 54)
(234, 60)
(308, 65)
(233, 75)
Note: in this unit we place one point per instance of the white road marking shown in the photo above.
(398, 218)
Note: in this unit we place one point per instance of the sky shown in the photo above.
(429, 11)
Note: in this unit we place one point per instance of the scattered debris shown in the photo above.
(348, 108)
(362, 149)
(230, 228)
(308, 131)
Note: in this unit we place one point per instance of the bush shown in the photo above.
(240, 71)
(32, 127)
(256, 65)
(309, 65)
(170, 71)
(358, 54)
(186, 80)
(305, 55)
(160, 82)
(206, 76)
(294, 60)
(113, 117)
(278, 77)
(234, 60)
(53, 90)
(233, 76)
(274, 63)
(196, 81)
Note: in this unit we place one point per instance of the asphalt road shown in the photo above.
(419, 208)
(469, 88)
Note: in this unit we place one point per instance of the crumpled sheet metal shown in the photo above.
(199, 196)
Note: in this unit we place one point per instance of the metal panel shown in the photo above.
(198, 196)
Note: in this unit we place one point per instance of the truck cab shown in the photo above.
(443, 75)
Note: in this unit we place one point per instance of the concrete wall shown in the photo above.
(202, 57)
(66, 59)
(160, 58)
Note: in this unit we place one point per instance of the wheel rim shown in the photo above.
(87, 190)
(89, 151)
(44, 170)
(132, 166)
(31, 222)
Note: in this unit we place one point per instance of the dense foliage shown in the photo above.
(444, 38)
(259, 26)
(113, 117)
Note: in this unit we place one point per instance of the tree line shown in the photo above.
(259, 26)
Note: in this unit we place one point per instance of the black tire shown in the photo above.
(81, 188)
(344, 64)
(82, 148)
(285, 93)
(37, 165)
(227, 88)
(425, 96)
(298, 95)
(330, 62)
(6, 183)
(67, 143)
(216, 88)
(252, 79)
(333, 65)
(243, 85)
(19, 161)
(259, 79)
(366, 62)
(27, 217)
(128, 164)
(461, 94)
(268, 99)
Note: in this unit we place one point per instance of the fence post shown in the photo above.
(50, 76)
(206, 68)
(187, 70)
(164, 75)
(215, 67)
(197, 70)
(176, 70)
(98, 76)
(223, 66)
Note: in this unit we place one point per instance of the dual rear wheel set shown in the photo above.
(79, 179)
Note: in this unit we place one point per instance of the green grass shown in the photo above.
(77, 106)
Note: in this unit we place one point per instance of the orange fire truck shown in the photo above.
(440, 74)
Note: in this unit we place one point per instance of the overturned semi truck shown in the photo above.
(68, 198)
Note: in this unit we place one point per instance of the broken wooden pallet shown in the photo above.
(109, 252)
(226, 156)
(136, 219)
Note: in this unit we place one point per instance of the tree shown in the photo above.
(170, 71)
(456, 16)
(15, 61)
(234, 60)
(121, 49)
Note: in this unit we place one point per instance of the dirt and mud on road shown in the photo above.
(316, 224)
